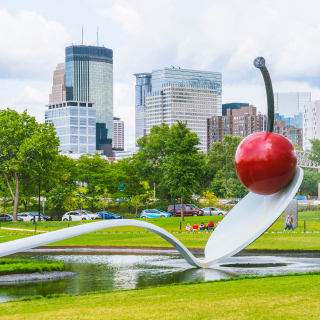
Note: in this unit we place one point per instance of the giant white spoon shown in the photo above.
(247, 221)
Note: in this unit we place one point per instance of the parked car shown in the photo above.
(93, 216)
(154, 213)
(43, 217)
(233, 201)
(212, 211)
(302, 198)
(8, 217)
(188, 210)
(108, 215)
(28, 216)
(75, 216)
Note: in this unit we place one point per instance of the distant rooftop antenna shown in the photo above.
(97, 36)
(82, 36)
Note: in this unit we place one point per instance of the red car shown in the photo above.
(188, 210)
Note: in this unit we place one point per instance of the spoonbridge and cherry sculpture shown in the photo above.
(265, 163)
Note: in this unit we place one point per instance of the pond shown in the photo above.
(118, 272)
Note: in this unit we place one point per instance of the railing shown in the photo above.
(304, 161)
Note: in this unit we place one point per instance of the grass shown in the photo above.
(9, 266)
(131, 236)
(284, 297)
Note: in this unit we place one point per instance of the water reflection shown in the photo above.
(116, 272)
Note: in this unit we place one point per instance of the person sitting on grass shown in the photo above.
(202, 226)
(287, 224)
(188, 227)
(195, 227)
(211, 226)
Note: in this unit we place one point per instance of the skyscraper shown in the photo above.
(58, 93)
(289, 104)
(172, 94)
(118, 134)
(75, 124)
(143, 86)
(89, 77)
(311, 123)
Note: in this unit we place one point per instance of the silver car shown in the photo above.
(212, 211)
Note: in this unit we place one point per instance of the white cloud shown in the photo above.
(30, 95)
(221, 36)
(30, 46)
(25, 95)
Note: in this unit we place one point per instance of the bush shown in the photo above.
(308, 208)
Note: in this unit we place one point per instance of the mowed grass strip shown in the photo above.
(270, 241)
(287, 297)
(9, 266)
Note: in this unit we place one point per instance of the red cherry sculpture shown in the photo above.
(265, 162)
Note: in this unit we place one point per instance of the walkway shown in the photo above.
(22, 229)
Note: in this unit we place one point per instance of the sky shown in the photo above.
(211, 35)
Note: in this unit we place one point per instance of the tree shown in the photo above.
(315, 150)
(226, 182)
(150, 159)
(103, 200)
(310, 182)
(27, 150)
(93, 170)
(209, 199)
(183, 164)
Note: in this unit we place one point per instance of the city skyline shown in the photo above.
(141, 36)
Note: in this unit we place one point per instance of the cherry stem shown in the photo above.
(270, 97)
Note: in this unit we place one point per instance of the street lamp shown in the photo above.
(227, 174)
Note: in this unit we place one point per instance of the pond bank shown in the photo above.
(199, 252)
(36, 276)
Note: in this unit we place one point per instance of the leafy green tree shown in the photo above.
(221, 155)
(183, 164)
(296, 146)
(103, 199)
(93, 170)
(315, 150)
(27, 151)
(149, 160)
(310, 182)
(209, 198)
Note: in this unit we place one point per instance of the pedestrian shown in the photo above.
(291, 223)
(287, 224)
(188, 227)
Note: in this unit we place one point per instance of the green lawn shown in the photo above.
(8, 266)
(288, 297)
(131, 236)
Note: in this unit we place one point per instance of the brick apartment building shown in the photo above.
(292, 133)
(243, 122)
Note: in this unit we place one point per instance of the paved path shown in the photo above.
(22, 229)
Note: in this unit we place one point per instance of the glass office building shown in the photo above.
(289, 104)
(295, 121)
(192, 81)
(89, 77)
(183, 102)
(233, 106)
(75, 124)
(143, 86)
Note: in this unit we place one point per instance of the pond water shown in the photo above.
(116, 272)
